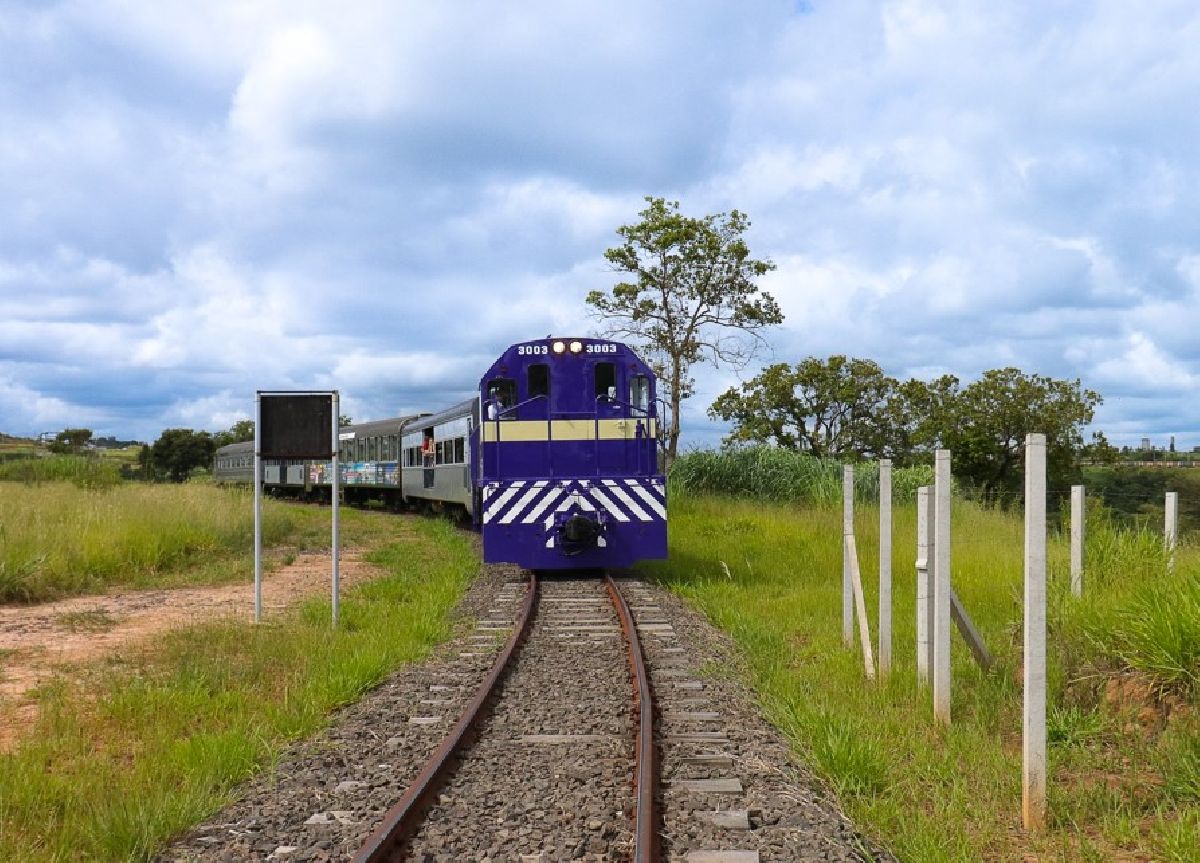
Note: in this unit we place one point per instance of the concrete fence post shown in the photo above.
(1033, 786)
(885, 567)
(1078, 538)
(1171, 527)
(847, 531)
(941, 587)
(923, 593)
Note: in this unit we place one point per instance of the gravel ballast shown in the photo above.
(550, 775)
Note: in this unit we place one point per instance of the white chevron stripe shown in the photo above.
(498, 505)
(623, 496)
(520, 505)
(608, 505)
(548, 498)
(650, 499)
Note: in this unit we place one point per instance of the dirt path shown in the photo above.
(37, 640)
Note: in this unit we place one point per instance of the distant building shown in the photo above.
(1172, 447)
(1146, 446)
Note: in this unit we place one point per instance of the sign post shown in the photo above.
(294, 425)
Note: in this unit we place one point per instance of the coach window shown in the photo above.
(606, 380)
(639, 393)
(460, 451)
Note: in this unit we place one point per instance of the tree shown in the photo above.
(71, 441)
(692, 297)
(344, 421)
(178, 451)
(239, 432)
(985, 427)
(826, 407)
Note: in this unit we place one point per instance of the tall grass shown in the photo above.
(57, 539)
(769, 473)
(770, 575)
(140, 749)
(82, 471)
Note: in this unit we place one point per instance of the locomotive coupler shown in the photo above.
(580, 530)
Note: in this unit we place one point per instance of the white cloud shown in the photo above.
(206, 198)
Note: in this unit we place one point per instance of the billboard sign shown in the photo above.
(296, 425)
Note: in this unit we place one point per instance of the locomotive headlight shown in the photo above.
(576, 347)
(559, 347)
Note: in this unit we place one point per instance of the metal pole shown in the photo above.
(941, 587)
(847, 530)
(1078, 529)
(1033, 788)
(335, 491)
(923, 584)
(257, 510)
(885, 567)
(1171, 527)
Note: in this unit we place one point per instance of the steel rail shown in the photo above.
(645, 828)
(402, 820)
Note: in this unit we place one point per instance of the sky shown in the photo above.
(205, 199)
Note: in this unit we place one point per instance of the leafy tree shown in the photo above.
(986, 425)
(828, 407)
(1100, 451)
(71, 440)
(178, 451)
(692, 296)
(240, 431)
(344, 421)
(848, 408)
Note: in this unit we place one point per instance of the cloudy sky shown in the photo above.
(204, 199)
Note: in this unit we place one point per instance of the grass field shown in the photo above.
(57, 539)
(1121, 786)
(141, 748)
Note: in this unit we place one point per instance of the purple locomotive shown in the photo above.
(568, 475)
(555, 460)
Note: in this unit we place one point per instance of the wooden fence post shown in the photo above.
(1078, 537)
(924, 600)
(1033, 786)
(941, 587)
(885, 567)
(847, 530)
(1171, 527)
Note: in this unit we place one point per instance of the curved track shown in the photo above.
(404, 820)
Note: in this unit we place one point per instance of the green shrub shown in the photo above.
(83, 471)
(785, 476)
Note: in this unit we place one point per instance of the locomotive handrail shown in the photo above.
(518, 406)
(596, 427)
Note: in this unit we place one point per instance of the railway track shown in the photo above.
(584, 752)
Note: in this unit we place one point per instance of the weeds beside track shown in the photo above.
(138, 749)
(58, 540)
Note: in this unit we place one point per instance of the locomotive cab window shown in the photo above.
(606, 380)
(639, 393)
(539, 380)
(502, 393)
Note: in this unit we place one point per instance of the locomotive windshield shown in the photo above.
(606, 380)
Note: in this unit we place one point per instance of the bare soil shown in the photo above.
(38, 642)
